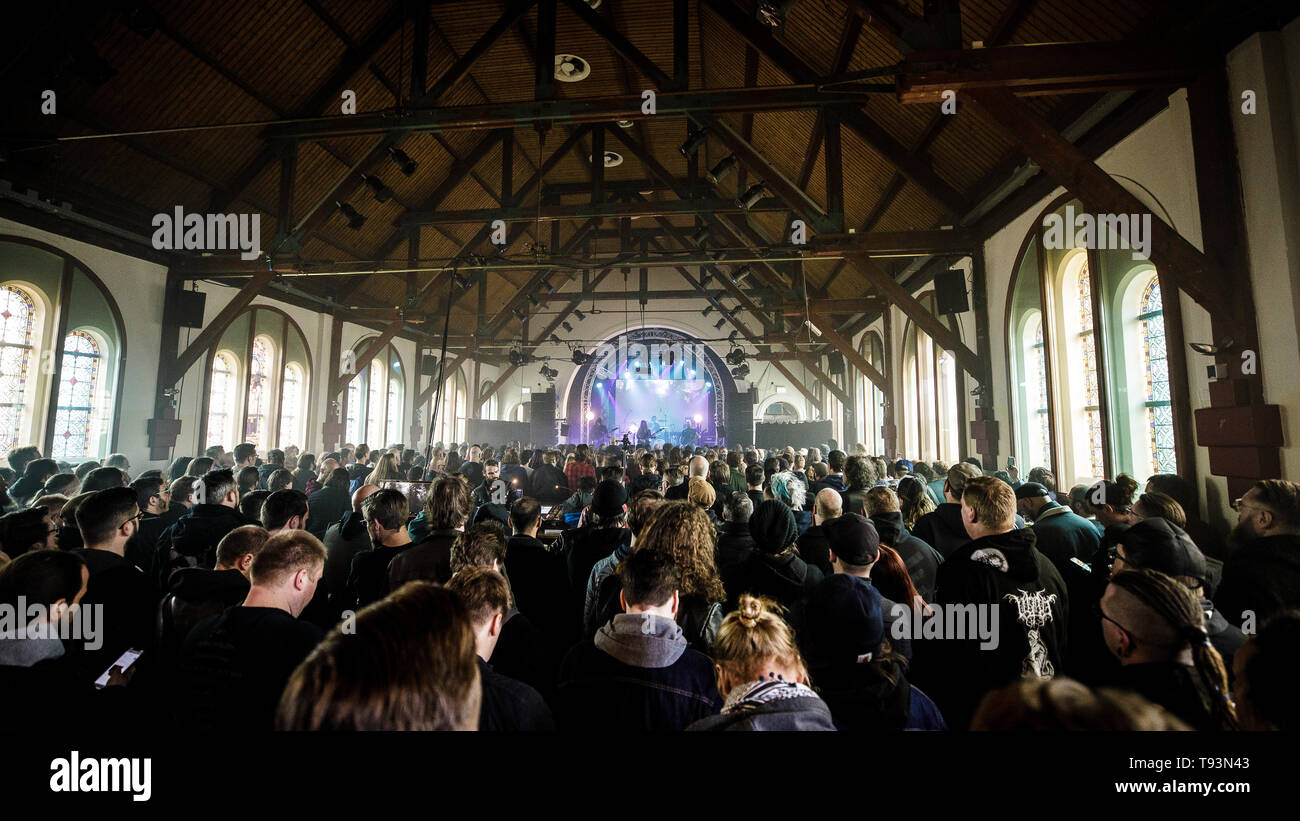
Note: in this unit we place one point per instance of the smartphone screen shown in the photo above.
(124, 661)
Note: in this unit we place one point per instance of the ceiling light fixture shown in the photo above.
(355, 220)
(720, 171)
(404, 162)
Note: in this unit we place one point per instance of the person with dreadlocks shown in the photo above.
(1156, 627)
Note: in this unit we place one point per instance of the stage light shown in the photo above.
(720, 171)
(566, 326)
(731, 337)
(740, 274)
(580, 357)
(692, 374)
(740, 371)
(405, 163)
(548, 372)
(599, 386)
(751, 196)
(520, 314)
(720, 323)
(704, 278)
(772, 13)
(355, 220)
(701, 236)
(698, 419)
(461, 282)
(590, 416)
(708, 384)
(707, 311)
(736, 356)
(382, 192)
(534, 300)
(556, 339)
(579, 314)
(517, 356)
(694, 140)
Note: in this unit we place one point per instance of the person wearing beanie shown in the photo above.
(775, 569)
(853, 668)
(1158, 544)
(703, 495)
(605, 532)
(1061, 534)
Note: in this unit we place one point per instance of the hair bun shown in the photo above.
(751, 609)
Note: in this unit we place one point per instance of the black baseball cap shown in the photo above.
(1159, 544)
(1032, 490)
(853, 538)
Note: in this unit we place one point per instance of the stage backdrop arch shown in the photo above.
(652, 372)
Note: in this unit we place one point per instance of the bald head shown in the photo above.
(829, 505)
(699, 467)
(360, 494)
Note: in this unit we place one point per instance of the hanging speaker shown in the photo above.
(428, 365)
(189, 308)
(835, 364)
(950, 292)
(753, 395)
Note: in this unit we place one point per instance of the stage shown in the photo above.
(676, 411)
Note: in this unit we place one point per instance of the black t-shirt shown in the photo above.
(235, 666)
(511, 706)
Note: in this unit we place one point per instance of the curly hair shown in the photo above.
(683, 531)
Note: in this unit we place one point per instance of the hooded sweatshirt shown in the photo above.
(196, 535)
(638, 674)
(1004, 570)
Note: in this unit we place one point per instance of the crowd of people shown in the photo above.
(573, 589)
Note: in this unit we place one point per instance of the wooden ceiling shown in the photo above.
(197, 63)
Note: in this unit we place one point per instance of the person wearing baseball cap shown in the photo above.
(604, 532)
(855, 671)
(1158, 544)
(1061, 533)
(855, 546)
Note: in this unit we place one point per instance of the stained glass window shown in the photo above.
(259, 391)
(1160, 421)
(78, 388)
(17, 316)
(1088, 346)
(1039, 454)
(355, 411)
(222, 395)
(291, 394)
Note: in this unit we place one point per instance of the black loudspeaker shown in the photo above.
(753, 397)
(428, 365)
(835, 364)
(189, 308)
(541, 419)
(564, 430)
(950, 292)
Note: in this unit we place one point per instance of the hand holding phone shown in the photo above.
(120, 672)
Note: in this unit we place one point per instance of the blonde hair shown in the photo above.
(753, 636)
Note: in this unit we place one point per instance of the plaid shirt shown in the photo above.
(576, 470)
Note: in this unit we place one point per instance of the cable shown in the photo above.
(442, 363)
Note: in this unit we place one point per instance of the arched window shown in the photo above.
(375, 400)
(258, 383)
(261, 365)
(18, 315)
(870, 398)
(292, 399)
(781, 412)
(1085, 437)
(79, 388)
(1036, 393)
(931, 420)
(454, 409)
(223, 396)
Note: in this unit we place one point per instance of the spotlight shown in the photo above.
(704, 278)
(404, 162)
(740, 274)
(698, 419)
(534, 300)
(517, 357)
(381, 191)
(720, 323)
(701, 236)
(520, 314)
(740, 372)
(732, 337)
(694, 140)
(548, 372)
(580, 357)
(772, 13)
(556, 339)
(566, 326)
(579, 314)
(751, 196)
(707, 311)
(349, 213)
(720, 171)
(733, 312)
(590, 416)
(736, 356)
(461, 282)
